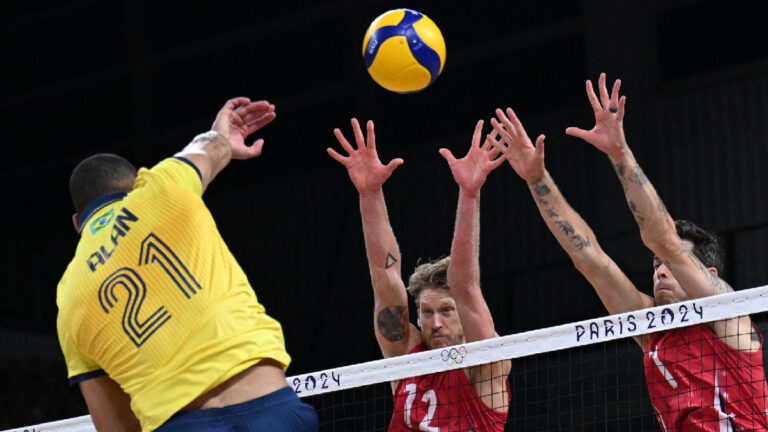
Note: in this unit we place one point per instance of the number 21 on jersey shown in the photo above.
(153, 251)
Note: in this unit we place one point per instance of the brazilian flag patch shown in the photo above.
(101, 221)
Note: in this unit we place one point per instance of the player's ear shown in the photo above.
(418, 317)
(76, 221)
(713, 270)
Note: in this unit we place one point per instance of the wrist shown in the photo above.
(469, 193)
(207, 136)
(372, 193)
(212, 135)
(622, 159)
(621, 154)
(537, 179)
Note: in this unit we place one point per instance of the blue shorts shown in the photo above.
(278, 411)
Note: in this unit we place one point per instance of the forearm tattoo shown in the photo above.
(541, 189)
(391, 322)
(565, 227)
(579, 242)
(619, 167)
(391, 261)
(634, 175)
(636, 214)
(637, 176)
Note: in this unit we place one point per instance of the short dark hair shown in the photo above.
(99, 175)
(705, 245)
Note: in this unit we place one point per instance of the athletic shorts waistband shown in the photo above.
(268, 402)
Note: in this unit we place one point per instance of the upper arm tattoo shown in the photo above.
(391, 261)
(392, 322)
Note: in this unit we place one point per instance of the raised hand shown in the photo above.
(608, 132)
(471, 170)
(365, 169)
(238, 119)
(525, 159)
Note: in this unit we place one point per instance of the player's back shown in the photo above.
(154, 297)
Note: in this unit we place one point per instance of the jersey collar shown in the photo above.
(98, 204)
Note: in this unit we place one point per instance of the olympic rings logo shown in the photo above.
(454, 355)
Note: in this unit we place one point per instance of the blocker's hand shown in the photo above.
(471, 171)
(525, 159)
(363, 165)
(608, 133)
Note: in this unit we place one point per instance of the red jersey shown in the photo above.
(443, 402)
(697, 382)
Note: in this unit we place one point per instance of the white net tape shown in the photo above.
(560, 337)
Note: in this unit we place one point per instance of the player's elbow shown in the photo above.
(382, 277)
(591, 262)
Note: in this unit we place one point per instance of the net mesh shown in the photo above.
(584, 376)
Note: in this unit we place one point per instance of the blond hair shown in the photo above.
(432, 275)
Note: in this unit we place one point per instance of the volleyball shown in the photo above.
(404, 51)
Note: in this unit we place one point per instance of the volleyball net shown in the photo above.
(583, 376)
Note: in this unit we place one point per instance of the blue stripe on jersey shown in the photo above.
(189, 162)
(97, 205)
(86, 376)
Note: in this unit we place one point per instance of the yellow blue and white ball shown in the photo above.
(404, 51)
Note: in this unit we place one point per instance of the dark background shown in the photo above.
(142, 78)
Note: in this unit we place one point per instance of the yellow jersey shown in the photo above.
(154, 298)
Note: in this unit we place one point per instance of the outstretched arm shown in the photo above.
(239, 118)
(470, 173)
(657, 229)
(395, 334)
(614, 288)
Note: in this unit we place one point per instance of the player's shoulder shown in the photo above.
(64, 284)
(173, 170)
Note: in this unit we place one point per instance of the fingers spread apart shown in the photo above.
(613, 103)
